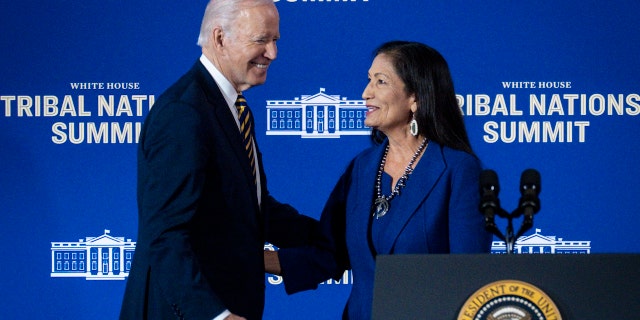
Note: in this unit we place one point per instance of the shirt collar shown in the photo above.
(229, 93)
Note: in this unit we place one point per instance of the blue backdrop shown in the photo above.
(543, 84)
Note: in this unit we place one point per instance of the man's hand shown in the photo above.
(272, 262)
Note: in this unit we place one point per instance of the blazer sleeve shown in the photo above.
(466, 224)
(175, 161)
(303, 268)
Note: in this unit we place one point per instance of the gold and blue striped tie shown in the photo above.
(246, 129)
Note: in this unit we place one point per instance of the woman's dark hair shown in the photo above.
(426, 74)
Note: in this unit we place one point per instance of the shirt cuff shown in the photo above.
(223, 315)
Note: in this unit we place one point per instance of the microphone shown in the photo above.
(529, 203)
(529, 189)
(489, 202)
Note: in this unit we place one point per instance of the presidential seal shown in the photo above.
(509, 300)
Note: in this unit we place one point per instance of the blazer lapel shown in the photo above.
(419, 186)
(360, 198)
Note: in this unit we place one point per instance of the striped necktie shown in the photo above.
(246, 129)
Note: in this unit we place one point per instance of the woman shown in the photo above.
(415, 191)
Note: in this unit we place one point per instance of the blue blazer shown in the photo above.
(437, 212)
(201, 232)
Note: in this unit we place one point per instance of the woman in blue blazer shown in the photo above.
(415, 191)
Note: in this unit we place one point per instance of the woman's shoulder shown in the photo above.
(369, 153)
(452, 155)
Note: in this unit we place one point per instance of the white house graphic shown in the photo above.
(109, 258)
(537, 243)
(93, 258)
(317, 116)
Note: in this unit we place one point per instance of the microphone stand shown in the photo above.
(510, 238)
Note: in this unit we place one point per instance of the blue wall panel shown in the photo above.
(60, 186)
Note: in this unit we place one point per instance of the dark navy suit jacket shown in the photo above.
(437, 212)
(201, 231)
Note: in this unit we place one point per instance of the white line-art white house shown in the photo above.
(538, 244)
(317, 116)
(94, 258)
(109, 258)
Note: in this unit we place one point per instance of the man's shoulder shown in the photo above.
(191, 89)
(188, 86)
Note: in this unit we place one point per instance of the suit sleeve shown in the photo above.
(466, 224)
(303, 268)
(175, 154)
(286, 227)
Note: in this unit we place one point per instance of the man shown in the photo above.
(204, 216)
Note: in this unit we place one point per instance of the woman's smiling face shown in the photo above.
(388, 104)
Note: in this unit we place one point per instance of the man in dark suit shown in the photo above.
(204, 215)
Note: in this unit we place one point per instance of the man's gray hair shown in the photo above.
(221, 13)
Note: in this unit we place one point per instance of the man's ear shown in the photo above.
(217, 39)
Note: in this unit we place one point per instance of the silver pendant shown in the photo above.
(381, 207)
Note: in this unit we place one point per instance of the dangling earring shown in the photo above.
(413, 126)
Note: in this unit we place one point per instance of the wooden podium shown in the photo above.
(433, 286)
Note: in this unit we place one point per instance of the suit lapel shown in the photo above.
(419, 185)
(226, 121)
